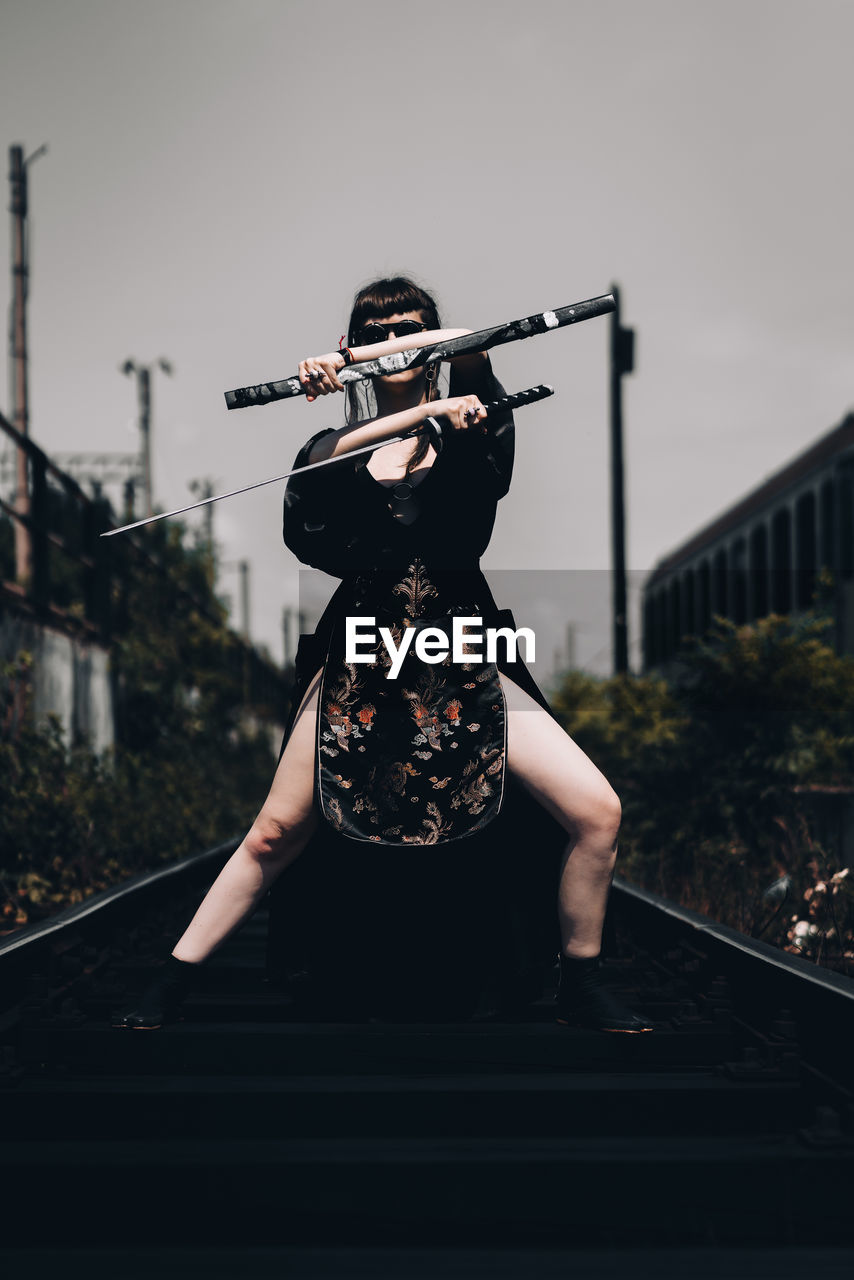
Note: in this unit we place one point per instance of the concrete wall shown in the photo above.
(71, 678)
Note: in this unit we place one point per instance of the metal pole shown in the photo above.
(622, 361)
(142, 373)
(287, 614)
(204, 491)
(209, 536)
(570, 645)
(143, 376)
(244, 597)
(18, 359)
(129, 495)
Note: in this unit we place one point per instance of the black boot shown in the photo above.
(162, 999)
(582, 1001)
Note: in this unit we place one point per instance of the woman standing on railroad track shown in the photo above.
(395, 745)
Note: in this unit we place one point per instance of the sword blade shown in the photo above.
(259, 484)
(514, 401)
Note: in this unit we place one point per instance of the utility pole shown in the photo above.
(143, 389)
(243, 566)
(129, 496)
(570, 645)
(622, 362)
(288, 648)
(18, 352)
(202, 490)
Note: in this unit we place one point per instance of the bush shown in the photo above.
(193, 759)
(73, 823)
(722, 773)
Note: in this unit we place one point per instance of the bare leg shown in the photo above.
(560, 776)
(278, 835)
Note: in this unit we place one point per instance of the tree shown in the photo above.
(192, 763)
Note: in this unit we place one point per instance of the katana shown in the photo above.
(432, 353)
(514, 401)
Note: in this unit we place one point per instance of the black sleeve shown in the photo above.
(311, 524)
(494, 451)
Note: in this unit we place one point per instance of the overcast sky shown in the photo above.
(223, 174)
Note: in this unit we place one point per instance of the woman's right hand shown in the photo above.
(319, 374)
(462, 412)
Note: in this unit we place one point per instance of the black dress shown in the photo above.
(418, 759)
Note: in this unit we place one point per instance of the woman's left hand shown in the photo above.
(463, 413)
(319, 374)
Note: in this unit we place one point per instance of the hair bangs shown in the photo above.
(391, 296)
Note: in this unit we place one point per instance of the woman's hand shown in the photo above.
(462, 412)
(319, 374)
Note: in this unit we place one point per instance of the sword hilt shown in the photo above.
(518, 398)
(514, 401)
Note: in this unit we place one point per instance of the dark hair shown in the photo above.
(390, 296)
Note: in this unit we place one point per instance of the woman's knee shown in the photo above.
(613, 811)
(599, 816)
(609, 812)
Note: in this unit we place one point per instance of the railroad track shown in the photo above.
(252, 1144)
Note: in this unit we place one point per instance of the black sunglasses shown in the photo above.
(378, 332)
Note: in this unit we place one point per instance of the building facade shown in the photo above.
(764, 554)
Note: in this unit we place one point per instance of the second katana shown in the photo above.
(432, 425)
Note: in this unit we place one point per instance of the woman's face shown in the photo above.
(406, 376)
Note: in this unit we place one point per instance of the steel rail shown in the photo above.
(100, 905)
(658, 910)
(741, 943)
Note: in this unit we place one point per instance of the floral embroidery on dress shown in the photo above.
(417, 589)
(366, 714)
(381, 791)
(424, 702)
(337, 709)
(435, 827)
